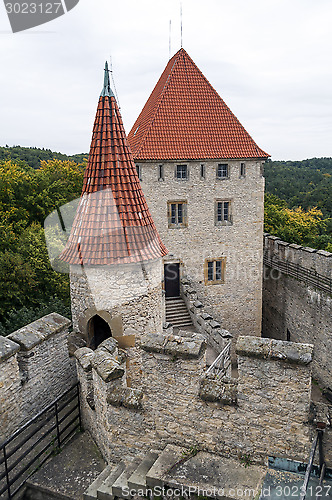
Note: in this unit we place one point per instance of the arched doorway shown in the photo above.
(98, 331)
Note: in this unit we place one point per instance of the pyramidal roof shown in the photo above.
(113, 224)
(185, 119)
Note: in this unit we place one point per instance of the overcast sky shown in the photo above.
(270, 60)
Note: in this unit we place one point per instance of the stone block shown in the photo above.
(84, 356)
(183, 347)
(35, 333)
(291, 352)
(110, 345)
(106, 366)
(219, 390)
(125, 396)
(7, 348)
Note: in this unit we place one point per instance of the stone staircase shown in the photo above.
(177, 313)
(176, 468)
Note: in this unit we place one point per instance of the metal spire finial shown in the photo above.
(107, 91)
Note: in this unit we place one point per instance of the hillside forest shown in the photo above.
(34, 182)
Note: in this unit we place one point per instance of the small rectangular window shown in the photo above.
(177, 214)
(161, 172)
(181, 172)
(214, 271)
(139, 171)
(222, 171)
(243, 170)
(202, 171)
(223, 214)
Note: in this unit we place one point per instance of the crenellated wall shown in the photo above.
(265, 412)
(297, 300)
(35, 369)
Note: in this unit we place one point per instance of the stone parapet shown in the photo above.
(277, 350)
(35, 369)
(8, 348)
(37, 332)
(182, 347)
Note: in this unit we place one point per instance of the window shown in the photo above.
(202, 171)
(139, 171)
(181, 172)
(223, 214)
(177, 214)
(222, 171)
(214, 271)
(243, 170)
(161, 173)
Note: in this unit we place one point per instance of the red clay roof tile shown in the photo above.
(113, 224)
(185, 118)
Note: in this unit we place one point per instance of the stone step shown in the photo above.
(205, 474)
(104, 490)
(91, 492)
(137, 480)
(178, 315)
(121, 483)
(181, 324)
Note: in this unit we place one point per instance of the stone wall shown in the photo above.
(265, 412)
(35, 369)
(294, 306)
(237, 302)
(216, 337)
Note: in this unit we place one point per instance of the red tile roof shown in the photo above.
(185, 119)
(113, 224)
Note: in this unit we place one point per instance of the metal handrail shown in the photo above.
(221, 363)
(301, 273)
(14, 471)
(318, 440)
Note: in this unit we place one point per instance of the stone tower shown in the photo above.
(202, 176)
(114, 250)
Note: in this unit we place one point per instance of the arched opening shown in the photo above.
(98, 330)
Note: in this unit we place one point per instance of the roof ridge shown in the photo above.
(161, 95)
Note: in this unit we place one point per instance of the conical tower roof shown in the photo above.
(185, 119)
(113, 224)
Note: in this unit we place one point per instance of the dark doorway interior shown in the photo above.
(172, 280)
(99, 331)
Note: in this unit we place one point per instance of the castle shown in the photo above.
(178, 218)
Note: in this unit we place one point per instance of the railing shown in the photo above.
(222, 364)
(309, 276)
(322, 466)
(31, 445)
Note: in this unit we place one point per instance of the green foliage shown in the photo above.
(33, 156)
(27, 280)
(298, 203)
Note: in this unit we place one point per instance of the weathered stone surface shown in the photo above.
(39, 372)
(7, 348)
(75, 341)
(293, 309)
(84, 356)
(184, 347)
(218, 390)
(125, 396)
(109, 345)
(35, 333)
(275, 349)
(106, 366)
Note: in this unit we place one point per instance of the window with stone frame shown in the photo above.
(223, 213)
(214, 271)
(242, 170)
(177, 214)
(223, 171)
(181, 172)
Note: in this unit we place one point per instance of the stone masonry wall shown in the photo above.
(35, 369)
(236, 304)
(292, 305)
(266, 411)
